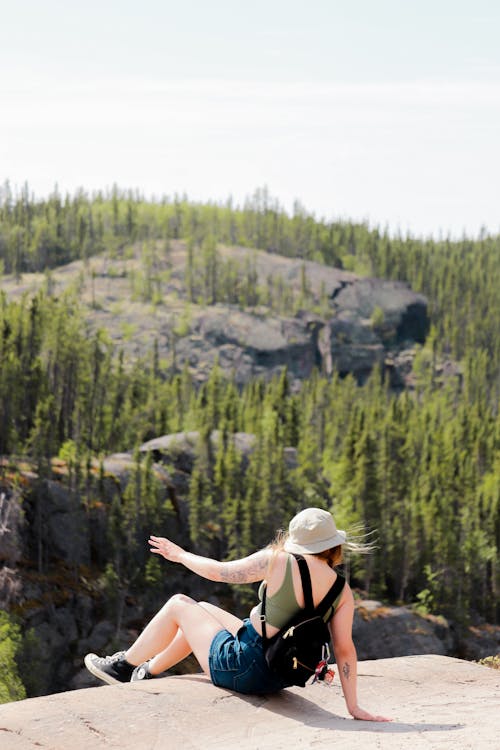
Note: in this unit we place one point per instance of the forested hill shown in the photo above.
(81, 377)
(461, 279)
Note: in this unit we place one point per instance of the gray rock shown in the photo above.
(102, 634)
(65, 622)
(119, 466)
(63, 522)
(182, 447)
(380, 632)
(248, 344)
(52, 639)
(404, 311)
(480, 641)
(369, 318)
(67, 536)
(84, 614)
(81, 680)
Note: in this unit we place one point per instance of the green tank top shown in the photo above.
(283, 604)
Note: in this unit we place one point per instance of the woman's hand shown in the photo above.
(362, 715)
(165, 548)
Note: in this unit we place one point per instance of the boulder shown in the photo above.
(381, 632)
(480, 641)
(402, 311)
(119, 466)
(181, 448)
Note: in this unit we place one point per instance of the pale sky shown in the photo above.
(382, 110)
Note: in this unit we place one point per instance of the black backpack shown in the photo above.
(298, 650)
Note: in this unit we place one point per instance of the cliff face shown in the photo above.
(370, 320)
(434, 701)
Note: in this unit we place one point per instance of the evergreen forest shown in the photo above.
(418, 470)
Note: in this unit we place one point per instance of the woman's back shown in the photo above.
(322, 578)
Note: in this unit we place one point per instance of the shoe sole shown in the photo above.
(99, 673)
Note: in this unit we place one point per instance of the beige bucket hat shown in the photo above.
(313, 530)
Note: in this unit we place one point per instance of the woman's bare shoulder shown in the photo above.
(278, 560)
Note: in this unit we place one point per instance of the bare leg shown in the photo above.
(175, 652)
(198, 626)
(227, 620)
(179, 648)
(157, 634)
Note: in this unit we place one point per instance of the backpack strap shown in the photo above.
(330, 595)
(305, 577)
(263, 616)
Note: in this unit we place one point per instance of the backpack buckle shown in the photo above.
(262, 618)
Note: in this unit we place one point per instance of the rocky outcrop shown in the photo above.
(434, 701)
(371, 320)
(248, 345)
(349, 323)
(402, 314)
(367, 321)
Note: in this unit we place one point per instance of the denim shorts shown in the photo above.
(237, 662)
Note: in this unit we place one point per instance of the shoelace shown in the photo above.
(113, 658)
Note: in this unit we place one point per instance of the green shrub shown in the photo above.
(11, 687)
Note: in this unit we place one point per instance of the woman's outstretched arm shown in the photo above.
(246, 570)
(346, 657)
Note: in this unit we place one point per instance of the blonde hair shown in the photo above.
(357, 542)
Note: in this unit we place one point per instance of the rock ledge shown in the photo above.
(435, 701)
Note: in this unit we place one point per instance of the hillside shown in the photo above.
(315, 317)
(460, 278)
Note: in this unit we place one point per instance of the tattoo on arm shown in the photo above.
(251, 570)
(346, 669)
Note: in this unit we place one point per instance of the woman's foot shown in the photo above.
(142, 673)
(111, 669)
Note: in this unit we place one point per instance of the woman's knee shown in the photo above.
(178, 600)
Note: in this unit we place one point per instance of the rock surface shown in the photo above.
(435, 702)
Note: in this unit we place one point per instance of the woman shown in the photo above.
(228, 649)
